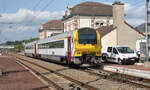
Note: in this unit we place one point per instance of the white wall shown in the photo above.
(47, 33)
(85, 21)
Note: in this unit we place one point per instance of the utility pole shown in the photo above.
(147, 30)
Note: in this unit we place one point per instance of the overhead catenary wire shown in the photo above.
(4, 6)
(49, 3)
(37, 4)
(138, 2)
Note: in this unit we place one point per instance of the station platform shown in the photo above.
(16, 77)
(133, 70)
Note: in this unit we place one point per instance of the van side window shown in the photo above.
(115, 51)
(109, 49)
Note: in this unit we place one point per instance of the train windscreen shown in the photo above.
(87, 36)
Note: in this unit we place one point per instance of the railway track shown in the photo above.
(139, 82)
(74, 81)
(136, 81)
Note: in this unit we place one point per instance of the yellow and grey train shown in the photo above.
(78, 47)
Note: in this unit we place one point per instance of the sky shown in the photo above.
(21, 19)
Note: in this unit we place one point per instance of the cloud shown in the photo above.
(24, 16)
(135, 21)
(134, 15)
(25, 20)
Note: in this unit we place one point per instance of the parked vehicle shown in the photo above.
(119, 54)
(79, 47)
(141, 49)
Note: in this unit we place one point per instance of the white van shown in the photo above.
(119, 54)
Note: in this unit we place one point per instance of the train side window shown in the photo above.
(109, 49)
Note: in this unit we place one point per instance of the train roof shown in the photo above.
(30, 43)
(56, 37)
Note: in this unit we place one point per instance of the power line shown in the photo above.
(4, 6)
(49, 3)
(30, 21)
(36, 4)
(139, 2)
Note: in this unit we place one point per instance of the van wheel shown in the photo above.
(104, 57)
(120, 62)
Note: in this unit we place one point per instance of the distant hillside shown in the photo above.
(20, 42)
(141, 27)
(19, 45)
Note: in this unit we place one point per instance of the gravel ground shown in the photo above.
(57, 79)
(96, 81)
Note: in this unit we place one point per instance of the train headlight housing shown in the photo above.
(98, 53)
(78, 52)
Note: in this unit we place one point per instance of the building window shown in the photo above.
(99, 24)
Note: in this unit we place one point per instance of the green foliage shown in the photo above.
(19, 45)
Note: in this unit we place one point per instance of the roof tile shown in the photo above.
(91, 9)
(105, 30)
(54, 24)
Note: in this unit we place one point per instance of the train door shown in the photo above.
(35, 53)
(69, 49)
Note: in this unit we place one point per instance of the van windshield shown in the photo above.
(125, 50)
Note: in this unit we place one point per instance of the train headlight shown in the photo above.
(78, 52)
(98, 52)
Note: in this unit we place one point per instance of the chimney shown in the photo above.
(68, 11)
(118, 13)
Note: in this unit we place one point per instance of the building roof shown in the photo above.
(105, 30)
(135, 29)
(53, 25)
(91, 9)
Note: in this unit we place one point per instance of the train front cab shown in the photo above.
(85, 51)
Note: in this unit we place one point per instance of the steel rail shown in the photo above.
(121, 78)
(42, 76)
(115, 76)
(84, 85)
